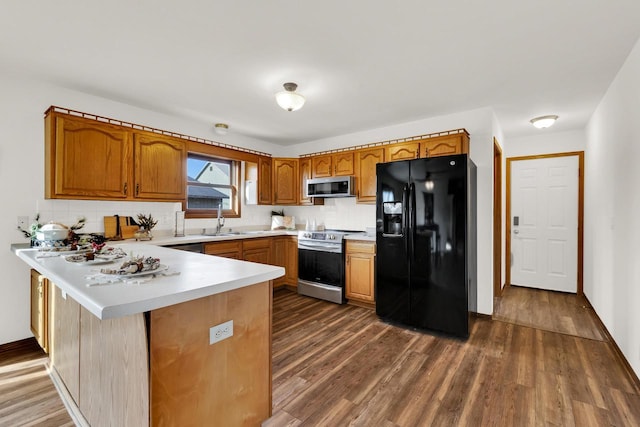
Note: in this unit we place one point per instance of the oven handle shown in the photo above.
(320, 247)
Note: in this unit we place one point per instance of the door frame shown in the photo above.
(580, 236)
(497, 219)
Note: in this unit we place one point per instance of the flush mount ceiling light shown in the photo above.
(288, 99)
(544, 121)
(221, 128)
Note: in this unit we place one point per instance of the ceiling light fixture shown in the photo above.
(544, 121)
(288, 99)
(221, 128)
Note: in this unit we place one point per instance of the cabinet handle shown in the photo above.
(126, 187)
(426, 152)
(137, 189)
(335, 169)
(418, 153)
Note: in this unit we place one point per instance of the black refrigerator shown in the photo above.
(426, 243)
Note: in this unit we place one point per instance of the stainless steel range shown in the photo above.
(321, 264)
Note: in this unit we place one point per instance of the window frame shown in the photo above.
(235, 175)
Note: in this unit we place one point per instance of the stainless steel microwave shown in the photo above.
(337, 186)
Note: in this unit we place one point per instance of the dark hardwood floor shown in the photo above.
(553, 311)
(338, 365)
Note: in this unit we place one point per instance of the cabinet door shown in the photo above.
(360, 271)
(285, 181)
(78, 150)
(65, 342)
(39, 309)
(160, 164)
(404, 151)
(322, 166)
(366, 173)
(444, 145)
(343, 164)
(291, 264)
(279, 254)
(231, 249)
(257, 250)
(304, 167)
(264, 181)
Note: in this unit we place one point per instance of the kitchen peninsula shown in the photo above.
(147, 353)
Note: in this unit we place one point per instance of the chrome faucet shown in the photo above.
(220, 219)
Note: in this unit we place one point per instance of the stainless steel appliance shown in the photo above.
(337, 186)
(321, 264)
(426, 243)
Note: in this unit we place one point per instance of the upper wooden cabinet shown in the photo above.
(285, 181)
(339, 164)
(77, 148)
(445, 145)
(88, 159)
(402, 151)
(264, 181)
(366, 161)
(304, 168)
(160, 164)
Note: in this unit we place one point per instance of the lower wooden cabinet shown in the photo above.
(230, 249)
(360, 270)
(257, 250)
(285, 254)
(40, 309)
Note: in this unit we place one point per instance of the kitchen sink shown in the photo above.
(230, 233)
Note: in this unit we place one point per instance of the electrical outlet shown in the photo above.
(220, 332)
(23, 222)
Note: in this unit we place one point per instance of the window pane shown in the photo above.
(208, 171)
(208, 197)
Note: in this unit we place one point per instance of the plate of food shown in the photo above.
(137, 266)
(105, 255)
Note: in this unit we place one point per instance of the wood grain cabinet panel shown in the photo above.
(445, 145)
(160, 167)
(264, 181)
(65, 340)
(402, 151)
(360, 271)
(339, 164)
(284, 253)
(366, 161)
(40, 309)
(257, 250)
(76, 149)
(285, 181)
(231, 249)
(304, 167)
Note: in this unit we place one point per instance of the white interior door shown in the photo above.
(544, 223)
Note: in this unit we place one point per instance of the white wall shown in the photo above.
(546, 142)
(612, 209)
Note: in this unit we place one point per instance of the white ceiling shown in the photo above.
(361, 64)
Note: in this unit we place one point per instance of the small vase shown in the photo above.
(143, 234)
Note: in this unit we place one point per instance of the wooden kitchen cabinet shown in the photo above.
(40, 309)
(160, 167)
(77, 148)
(228, 249)
(90, 159)
(445, 145)
(264, 181)
(285, 181)
(304, 167)
(338, 164)
(366, 161)
(360, 271)
(257, 250)
(284, 253)
(402, 151)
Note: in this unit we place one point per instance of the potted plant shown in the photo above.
(146, 223)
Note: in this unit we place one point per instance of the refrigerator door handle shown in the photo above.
(412, 217)
(405, 219)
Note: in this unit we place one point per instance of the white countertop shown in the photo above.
(200, 276)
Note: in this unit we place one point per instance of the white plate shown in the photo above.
(160, 269)
(96, 261)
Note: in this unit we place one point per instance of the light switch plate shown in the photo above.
(220, 332)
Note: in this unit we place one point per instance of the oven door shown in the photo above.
(321, 267)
